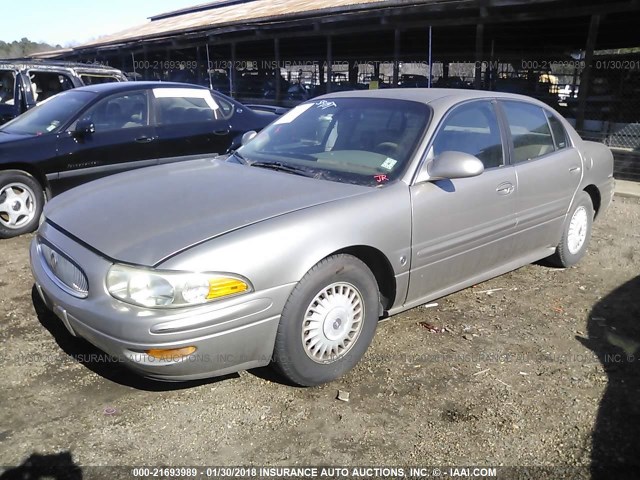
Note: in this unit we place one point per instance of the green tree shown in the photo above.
(23, 48)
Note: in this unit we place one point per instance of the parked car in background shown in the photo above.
(413, 81)
(350, 207)
(567, 92)
(92, 131)
(26, 82)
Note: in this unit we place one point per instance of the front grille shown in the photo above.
(63, 271)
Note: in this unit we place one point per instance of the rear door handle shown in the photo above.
(221, 132)
(575, 169)
(145, 139)
(505, 188)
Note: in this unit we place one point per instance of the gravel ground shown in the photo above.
(532, 368)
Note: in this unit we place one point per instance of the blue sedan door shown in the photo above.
(189, 122)
(124, 139)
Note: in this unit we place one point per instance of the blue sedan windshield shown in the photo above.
(50, 115)
(353, 140)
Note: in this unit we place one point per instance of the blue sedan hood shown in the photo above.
(144, 216)
(6, 137)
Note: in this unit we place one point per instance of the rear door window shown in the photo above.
(175, 106)
(530, 131)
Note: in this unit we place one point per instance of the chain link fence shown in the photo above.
(610, 112)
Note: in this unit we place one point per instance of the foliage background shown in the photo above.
(23, 48)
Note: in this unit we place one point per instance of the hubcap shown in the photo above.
(577, 230)
(17, 205)
(332, 322)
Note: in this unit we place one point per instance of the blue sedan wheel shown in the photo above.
(21, 202)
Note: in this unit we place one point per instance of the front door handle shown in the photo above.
(145, 139)
(505, 188)
(221, 132)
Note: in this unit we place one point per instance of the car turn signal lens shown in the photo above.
(171, 353)
(221, 287)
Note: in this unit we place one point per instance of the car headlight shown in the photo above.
(157, 288)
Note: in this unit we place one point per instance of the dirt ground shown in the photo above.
(534, 368)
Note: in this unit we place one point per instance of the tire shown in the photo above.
(21, 203)
(576, 233)
(344, 295)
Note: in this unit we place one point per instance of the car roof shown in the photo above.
(23, 63)
(103, 88)
(440, 96)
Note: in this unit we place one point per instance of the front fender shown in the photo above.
(283, 249)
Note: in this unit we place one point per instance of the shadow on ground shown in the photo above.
(58, 466)
(95, 360)
(271, 375)
(614, 336)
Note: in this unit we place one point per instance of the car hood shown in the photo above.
(144, 216)
(6, 137)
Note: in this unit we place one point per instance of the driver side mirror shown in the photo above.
(85, 126)
(247, 137)
(449, 165)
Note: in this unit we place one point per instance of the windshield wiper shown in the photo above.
(281, 167)
(239, 157)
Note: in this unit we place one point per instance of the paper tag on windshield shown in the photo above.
(388, 164)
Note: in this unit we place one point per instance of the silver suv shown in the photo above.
(27, 82)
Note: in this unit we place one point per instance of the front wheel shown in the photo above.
(576, 233)
(328, 321)
(21, 202)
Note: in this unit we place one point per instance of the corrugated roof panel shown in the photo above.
(197, 8)
(224, 15)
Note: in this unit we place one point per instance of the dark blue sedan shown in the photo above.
(90, 132)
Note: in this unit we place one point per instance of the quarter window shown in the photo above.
(472, 128)
(559, 133)
(529, 130)
(226, 106)
(96, 78)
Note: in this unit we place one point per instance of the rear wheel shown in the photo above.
(576, 233)
(328, 321)
(21, 202)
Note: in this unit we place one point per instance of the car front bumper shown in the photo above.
(229, 335)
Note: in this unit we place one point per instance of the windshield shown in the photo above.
(50, 115)
(366, 141)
